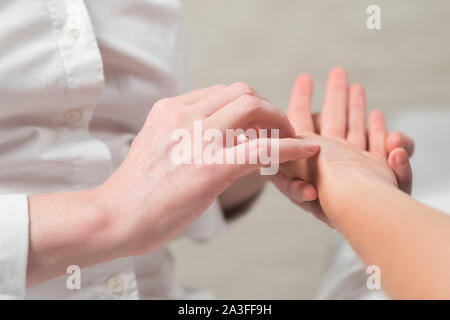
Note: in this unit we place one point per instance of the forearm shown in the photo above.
(406, 239)
(67, 228)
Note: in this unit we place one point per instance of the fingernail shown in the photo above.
(304, 195)
(312, 148)
(298, 194)
(401, 160)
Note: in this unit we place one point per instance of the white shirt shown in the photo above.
(77, 80)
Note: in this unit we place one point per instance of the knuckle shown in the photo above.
(176, 118)
(250, 103)
(219, 86)
(244, 88)
(163, 103)
(180, 116)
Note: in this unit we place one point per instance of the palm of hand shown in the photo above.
(338, 158)
(348, 147)
(330, 169)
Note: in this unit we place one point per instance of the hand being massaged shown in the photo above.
(348, 148)
(357, 175)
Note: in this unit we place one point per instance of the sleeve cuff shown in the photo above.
(13, 245)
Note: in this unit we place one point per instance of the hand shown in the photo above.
(151, 199)
(340, 168)
(342, 104)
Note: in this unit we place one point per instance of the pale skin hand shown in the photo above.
(338, 161)
(359, 196)
(358, 193)
(301, 192)
(343, 117)
(149, 200)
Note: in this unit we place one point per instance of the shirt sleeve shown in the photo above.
(208, 225)
(13, 245)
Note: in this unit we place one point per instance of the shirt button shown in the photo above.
(115, 284)
(72, 32)
(72, 117)
(72, 27)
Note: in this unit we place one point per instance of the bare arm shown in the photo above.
(70, 228)
(409, 241)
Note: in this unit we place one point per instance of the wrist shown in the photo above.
(99, 232)
(67, 228)
(355, 204)
(109, 221)
(345, 203)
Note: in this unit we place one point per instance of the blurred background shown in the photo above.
(277, 251)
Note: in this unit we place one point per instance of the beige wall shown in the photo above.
(269, 42)
(278, 251)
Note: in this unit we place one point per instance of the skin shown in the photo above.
(149, 200)
(343, 116)
(300, 192)
(125, 216)
(359, 196)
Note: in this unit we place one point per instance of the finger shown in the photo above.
(247, 111)
(196, 95)
(214, 102)
(301, 193)
(334, 112)
(377, 133)
(297, 190)
(254, 153)
(399, 162)
(396, 140)
(299, 110)
(356, 134)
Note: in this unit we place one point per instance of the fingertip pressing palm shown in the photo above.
(343, 118)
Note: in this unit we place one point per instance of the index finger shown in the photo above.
(196, 95)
